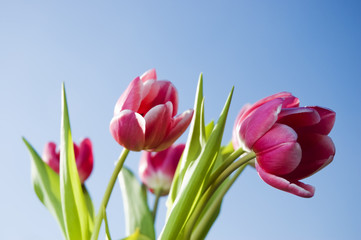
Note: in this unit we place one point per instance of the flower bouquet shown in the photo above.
(284, 142)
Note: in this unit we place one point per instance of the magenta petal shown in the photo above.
(288, 100)
(151, 90)
(51, 156)
(146, 168)
(149, 75)
(277, 151)
(167, 92)
(298, 117)
(236, 141)
(298, 188)
(128, 129)
(259, 122)
(84, 160)
(325, 126)
(131, 98)
(317, 152)
(178, 125)
(157, 121)
(170, 163)
(156, 169)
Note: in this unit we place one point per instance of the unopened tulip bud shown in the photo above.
(83, 157)
(156, 169)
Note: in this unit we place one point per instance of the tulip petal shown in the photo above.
(146, 168)
(171, 160)
(128, 129)
(317, 152)
(178, 125)
(167, 92)
(131, 98)
(278, 151)
(150, 92)
(149, 75)
(259, 122)
(298, 117)
(51, 156)
(289, 101)
(84, 160)
(325, 126)
(157, 121)
(236, 141)
(298, 188)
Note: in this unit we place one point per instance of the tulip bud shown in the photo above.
(290, 142)
(83, 158)
(156, 169)
(144, 116)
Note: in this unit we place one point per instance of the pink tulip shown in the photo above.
(290, 142)
(157, 169)
(83, 157)
(144, 116)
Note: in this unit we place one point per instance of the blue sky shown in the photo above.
(310, 48)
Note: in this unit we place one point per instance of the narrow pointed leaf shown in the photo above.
(137, 213)
(211, 211)
(208, 129)
(46, 185)
(137, 236)
(90, 208)
(193, 148)
(194, 179)
(73, 203)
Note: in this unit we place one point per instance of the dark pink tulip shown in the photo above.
(83, 157)
(144, 116)
(290, 142)
(156, 169)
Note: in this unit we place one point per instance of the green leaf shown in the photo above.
(137, 213)
(90, 208)
(46, 185)
(194, 144)
(74, 207)
(208, 129)
(137, 236)
(194, 178)
(212, 209)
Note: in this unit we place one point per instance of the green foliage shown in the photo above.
(46, 185)
(72, 199)
(202, 179)
(63, 195)
(137, 213)
(194, 168)
(137, 236)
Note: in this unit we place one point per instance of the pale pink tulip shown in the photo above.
(290, 142)
(156, 169)
(144, 116)
(83, 157)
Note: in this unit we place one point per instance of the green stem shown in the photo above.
(156, 202)
(100, 216)
(107, 231)
(228, 161)
(202, 224)
(212, 189)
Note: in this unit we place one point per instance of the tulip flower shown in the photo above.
(290, 142)
(156, 169)
(144, 116)
(83, 157)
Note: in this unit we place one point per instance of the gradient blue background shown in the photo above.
(310, 48)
